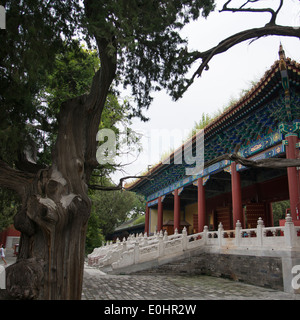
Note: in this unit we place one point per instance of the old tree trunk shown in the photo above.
(55, 204)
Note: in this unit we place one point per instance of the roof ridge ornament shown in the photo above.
(281, 52)
(285, 81)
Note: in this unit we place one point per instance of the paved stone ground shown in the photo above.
(99, 286)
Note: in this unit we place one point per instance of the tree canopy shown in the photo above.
(138, 41)
(29, 44)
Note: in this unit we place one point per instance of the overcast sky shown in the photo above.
(228, 74)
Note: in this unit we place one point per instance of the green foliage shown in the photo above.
(103, 216)
(94, 236)
(113, 208)
(151, 54)
(109, 210)
(29, 44)
(279, 210)
(202, 123)
(144, 35)
(72, 75)
(207, 118)
(140, 219)
(8, 208)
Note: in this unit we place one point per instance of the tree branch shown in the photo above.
(239, 37)
(272, 163)
(95, 102)
(270, 29)
(242, 9)
(117, 187)
(15, 179)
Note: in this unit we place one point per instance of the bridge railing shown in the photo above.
(141, 248)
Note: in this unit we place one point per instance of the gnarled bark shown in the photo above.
(55, 204)
(53, 219)
(53, 223)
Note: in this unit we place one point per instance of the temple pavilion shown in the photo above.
(266, 124)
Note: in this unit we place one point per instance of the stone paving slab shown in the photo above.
(100, 286)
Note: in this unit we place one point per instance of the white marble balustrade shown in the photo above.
(141, 248)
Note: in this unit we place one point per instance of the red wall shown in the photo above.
(9, 232)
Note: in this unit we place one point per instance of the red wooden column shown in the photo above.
(176, 210)
(237, 210)
(159, 215)
(291, 153)
(201, 205)
(147, 220)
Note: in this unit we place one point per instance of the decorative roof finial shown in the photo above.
(283, 67)
(281, 52)
(285, 80)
